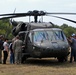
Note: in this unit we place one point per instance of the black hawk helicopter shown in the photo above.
(41, 39)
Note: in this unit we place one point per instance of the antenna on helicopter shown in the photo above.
(11, 20)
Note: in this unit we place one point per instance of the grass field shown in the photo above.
(39, 67)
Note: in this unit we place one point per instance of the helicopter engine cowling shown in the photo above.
(20, 27)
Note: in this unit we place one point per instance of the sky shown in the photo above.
(23, 6)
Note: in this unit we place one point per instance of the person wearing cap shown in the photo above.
(73, 47)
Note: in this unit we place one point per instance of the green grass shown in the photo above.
(39, 67)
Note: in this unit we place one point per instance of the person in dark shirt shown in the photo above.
(12, 61)
(73, 48)
(1, 47)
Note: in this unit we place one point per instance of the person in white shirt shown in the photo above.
(5, 51)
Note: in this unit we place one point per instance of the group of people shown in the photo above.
(15, 49)
(72, 43)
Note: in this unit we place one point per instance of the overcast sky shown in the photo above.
(8, 6)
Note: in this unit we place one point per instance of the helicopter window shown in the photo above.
(43, 35)
(64, 36)
(38, 36)
(30, 37)
(59, 35)
(49, 35)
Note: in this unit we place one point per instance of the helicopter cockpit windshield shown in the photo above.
(49, 35)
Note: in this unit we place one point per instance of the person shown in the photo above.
(12, 61)
(73, 47)
(5, 51)
(17, 47)
(1, 47)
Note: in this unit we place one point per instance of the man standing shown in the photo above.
(11, 53)
(1, 48)
(17, 47)
(5, 51)
(73, 47)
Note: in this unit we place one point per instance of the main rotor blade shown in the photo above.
(64, 19)
(30, 13)
(11, 14)
(61, 13)
(14, 16)
(38, 13)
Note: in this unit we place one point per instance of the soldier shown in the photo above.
(17, 47)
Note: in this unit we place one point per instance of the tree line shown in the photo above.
(67, 29)
(6, 27)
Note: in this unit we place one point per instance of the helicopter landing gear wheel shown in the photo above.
(23, 59)
(61, 59)
(66, 58)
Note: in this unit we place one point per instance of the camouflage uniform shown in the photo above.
(17, 47)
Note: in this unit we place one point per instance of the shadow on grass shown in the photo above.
(49, 62)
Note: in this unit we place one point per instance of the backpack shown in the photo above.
(10, 46)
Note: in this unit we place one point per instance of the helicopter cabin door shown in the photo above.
(29, 43)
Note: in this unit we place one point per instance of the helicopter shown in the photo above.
(41, 39)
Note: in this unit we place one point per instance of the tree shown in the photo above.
(5, 28)
(64, 26)
(68, 31)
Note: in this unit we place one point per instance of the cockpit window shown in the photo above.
(49, 35)
(59, 35)
(40, 35)
(43, 35)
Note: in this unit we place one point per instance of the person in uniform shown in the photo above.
(17, 47)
